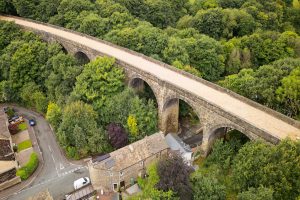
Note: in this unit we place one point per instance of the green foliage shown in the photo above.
(148, 187)
(41, 10)
(260, 193)
(265, 85)
(289, 92)
(79, 132)
(28, 169)
(24, 145)
(22, 126)
(275, 167)
(33, 97)
(62, 77)
(199, 51)
(207, 187)
(121, 106)
(99, 80)
(54, 115)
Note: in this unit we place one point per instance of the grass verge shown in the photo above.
(24, 145)
(26, 171)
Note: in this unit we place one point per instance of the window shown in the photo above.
(115, 188)
(142, 163)
(121, 173)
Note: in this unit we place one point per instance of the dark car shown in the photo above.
(32, 122)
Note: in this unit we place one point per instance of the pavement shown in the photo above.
(57, 174)
(254, 116)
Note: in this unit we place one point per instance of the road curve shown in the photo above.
(244, 111)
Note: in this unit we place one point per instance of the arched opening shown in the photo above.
(229, 134)
(82, 58)
(143, 90)
(180, 117)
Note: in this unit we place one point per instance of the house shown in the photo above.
(120, 168)
(8, 164)
(176, 144)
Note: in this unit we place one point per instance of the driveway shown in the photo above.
(58, 173)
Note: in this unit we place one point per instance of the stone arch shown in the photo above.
(221, 130)
(138, 84)
(82, 57)
(170, 113)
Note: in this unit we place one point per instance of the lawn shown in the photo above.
(24, 145)
(22, 126)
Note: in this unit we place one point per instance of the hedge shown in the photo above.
(25, 171)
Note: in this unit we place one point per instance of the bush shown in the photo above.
(261, 193)
(25, 171)
(117, 135)
(13, 128)
(207, 187)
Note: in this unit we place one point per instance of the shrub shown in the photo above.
(207, 187)
(117, 135)
(28, 169)
(13, 128)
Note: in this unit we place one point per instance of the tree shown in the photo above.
(79, 126)
(54, 115)
(275, 167)
(207, 187)
(210, 22)
(149, 189)
(132, 126)
(5, 92)
(62, 78)
(117, 136)
(145, 114)
(289, 92)
(261, 193)
(174, 175)
(99, 80)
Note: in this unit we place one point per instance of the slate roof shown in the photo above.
(4, 133)
(133, 153)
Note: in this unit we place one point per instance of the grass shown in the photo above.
(22, 126)
(24, 145)
(25, 171)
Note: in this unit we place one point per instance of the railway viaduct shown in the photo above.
(217, 108)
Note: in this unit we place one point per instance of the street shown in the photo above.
(58, 173)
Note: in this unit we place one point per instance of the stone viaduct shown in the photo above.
(217, 108)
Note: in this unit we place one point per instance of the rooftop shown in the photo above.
(175, 143)
(4, 133)
(133, 153)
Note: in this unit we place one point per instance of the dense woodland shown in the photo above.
(249, 46)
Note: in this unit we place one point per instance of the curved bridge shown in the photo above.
(217, 108)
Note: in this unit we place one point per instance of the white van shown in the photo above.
(81, 182)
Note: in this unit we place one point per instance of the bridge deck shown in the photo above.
(252, 115)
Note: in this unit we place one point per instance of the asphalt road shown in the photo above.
(58, 174)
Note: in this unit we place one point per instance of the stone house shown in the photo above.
(121, 168)
(8, 163)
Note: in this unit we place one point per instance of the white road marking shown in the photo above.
(61, 166)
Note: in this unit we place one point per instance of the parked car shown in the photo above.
(16, 120)
(79, 183)
(32, 122)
